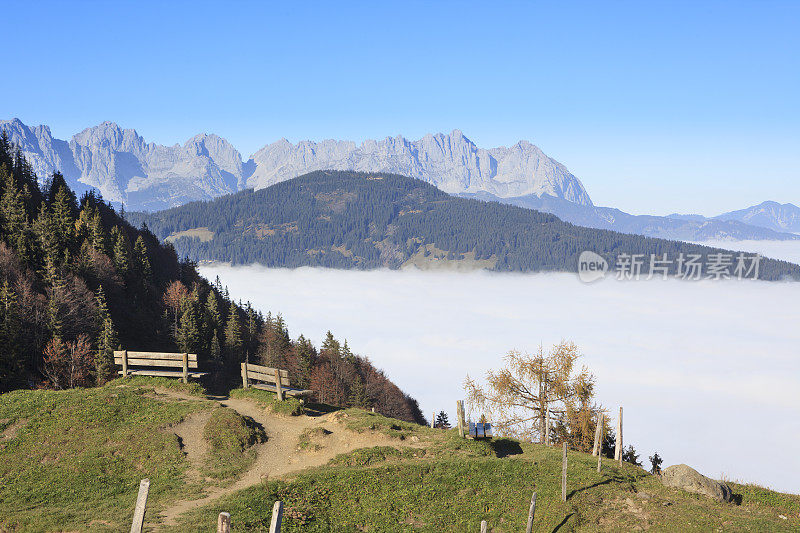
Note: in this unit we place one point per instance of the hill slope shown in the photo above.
(348, 470)
(358, 220)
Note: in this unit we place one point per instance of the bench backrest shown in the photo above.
(162, 359)
(265, 374)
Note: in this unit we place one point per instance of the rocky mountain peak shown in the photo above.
(125, 168)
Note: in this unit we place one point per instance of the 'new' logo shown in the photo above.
(591, 267)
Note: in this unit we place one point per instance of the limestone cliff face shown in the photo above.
(125, 168)
(451, 162)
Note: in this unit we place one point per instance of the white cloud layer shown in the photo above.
(708, 372)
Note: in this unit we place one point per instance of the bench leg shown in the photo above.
(185, 378)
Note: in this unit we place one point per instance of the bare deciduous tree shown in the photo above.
(68, 364)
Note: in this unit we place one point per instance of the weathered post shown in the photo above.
(141, 504)
(433, 420)
(278, 385)
(531, 512)
(185, 377)
(277, 517)
(460, 415)
(224, 523)
(596, 436)
(564, 474)
(547, 424)
(600, 442)
(484, 526)
(125, 363)
(245, 377)
(618, 445)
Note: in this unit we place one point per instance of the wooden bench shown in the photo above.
(182, 361)
(480, 430)
(271, 379)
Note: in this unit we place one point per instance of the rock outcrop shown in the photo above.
(687, 478)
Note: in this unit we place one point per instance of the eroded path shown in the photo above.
(278, 457)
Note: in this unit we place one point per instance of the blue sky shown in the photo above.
(656, 107)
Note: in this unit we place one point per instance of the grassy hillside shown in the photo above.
(72, 460)
(357, 220)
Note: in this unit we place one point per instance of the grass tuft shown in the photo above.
(290, 406)
(230, 437)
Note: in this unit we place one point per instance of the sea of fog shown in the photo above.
(708, 372)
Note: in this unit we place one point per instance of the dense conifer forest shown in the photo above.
(357, 220)
(78, 280)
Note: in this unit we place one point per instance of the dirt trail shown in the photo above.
(278, 457)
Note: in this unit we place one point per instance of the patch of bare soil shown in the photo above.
(11, 431)
(278, 457)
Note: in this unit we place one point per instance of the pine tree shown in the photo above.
(305, 354)
(11, 360)
(358, 394)
(106, 341)
(212, 310)
(14, 217)
(442, 421)
(98, 234)
(330, 347)
(47, 232)
(233, 335)
(142, 260)
(63, 212)
(188, 328)
(215, 352)
(122, 252)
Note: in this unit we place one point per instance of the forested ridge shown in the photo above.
(342, 219)
(78, 281)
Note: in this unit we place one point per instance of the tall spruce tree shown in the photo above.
(122, 252)
(142, 260)
(106, 342)
(98, 234)
(233, 335)
(11, 361)
(188, 327)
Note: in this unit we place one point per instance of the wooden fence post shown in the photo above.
(547, 424)
(460, 415)
(141, 504)
(531, 513)
(564, 475)
(224, 523)
(185, 367)
(618, 446)
(596, 435)
(125, 363)
(278, 385)
(277, 517)
(484, 526)
(245, 377)
(433, 420)
(601, 423)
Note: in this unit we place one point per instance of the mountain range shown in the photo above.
(148, 177)
(766, 221)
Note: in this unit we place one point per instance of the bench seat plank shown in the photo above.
(163, 373)
(286, 390)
